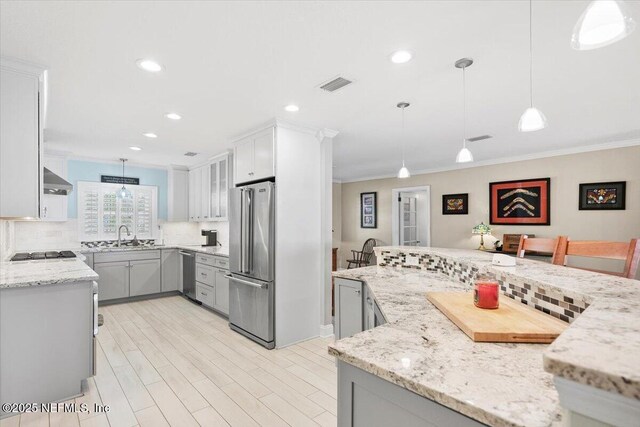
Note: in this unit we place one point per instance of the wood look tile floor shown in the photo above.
(169, 362)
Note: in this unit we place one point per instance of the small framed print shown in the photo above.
(368, 210)
(600, 196)
(455, 204)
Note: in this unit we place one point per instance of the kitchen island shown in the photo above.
(420, 352)
(48, 320)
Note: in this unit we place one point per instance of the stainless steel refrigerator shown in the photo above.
(252, 262)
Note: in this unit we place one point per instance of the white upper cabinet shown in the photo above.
(196, 212)
(20, 139)
(220, 181)
(54, 206)
(178, 194)
(209, 190)
(254, 157)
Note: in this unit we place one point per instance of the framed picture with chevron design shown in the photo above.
(522, 202)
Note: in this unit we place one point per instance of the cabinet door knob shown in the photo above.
(357, 291)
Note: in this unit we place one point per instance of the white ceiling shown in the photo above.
(233, 65)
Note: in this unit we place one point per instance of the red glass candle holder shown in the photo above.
(486, 293)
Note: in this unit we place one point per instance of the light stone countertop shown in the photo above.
(51, 271)
(423, 351)
(211, 250)
(44, 272)
(499, 384)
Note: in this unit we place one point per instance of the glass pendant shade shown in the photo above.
(464, 156)
(531, 120)
(403, 172)
(124, 193)
(602, 23)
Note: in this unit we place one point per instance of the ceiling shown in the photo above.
(230, 66)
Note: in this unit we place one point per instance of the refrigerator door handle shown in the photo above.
(245, 282)
(241, 251)
(250, 219)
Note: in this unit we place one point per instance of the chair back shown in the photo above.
(629, 252)
(545, 245)
(367, 250)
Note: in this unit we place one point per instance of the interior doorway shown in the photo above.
(411, 216)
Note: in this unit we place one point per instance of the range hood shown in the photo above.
(53, 184)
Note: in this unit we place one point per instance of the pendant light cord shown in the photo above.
(531, 52)
(402, 135)
(464, 109)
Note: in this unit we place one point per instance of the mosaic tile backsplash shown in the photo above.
(114, 243)
(548, 301)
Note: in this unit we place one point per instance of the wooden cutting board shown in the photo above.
(512, 321)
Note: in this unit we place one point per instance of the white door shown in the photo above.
(409, 220)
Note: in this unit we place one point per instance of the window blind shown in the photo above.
(101, 213)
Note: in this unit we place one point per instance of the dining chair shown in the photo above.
(627, 252)
(362, 258)
(544, 245)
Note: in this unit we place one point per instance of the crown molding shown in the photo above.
(319, 133)
(541, 155)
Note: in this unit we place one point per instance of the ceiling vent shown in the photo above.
(190, 154)
(479, 138)
(335, 84)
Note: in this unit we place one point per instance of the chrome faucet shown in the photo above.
(120, 230)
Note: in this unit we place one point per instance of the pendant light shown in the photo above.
(602, 23)
(464, 155)
(123, 193)
(403, 172)
(532, 119)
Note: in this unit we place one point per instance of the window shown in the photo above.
(100, 212)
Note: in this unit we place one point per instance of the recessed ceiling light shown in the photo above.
(291, 108)
(401, 56)
(150, 135)
(149, 65)
(134, 148)
(173, 116)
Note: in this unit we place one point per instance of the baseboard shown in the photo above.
(326, 330)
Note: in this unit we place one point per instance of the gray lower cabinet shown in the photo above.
(144, 277)
(349, 308)
(88, 258)
(222, 291)
(114, 279)
(212, 286)
(367, 400)
(170, 270)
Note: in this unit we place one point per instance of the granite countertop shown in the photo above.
(511, 387)
(423, 351)
(212, 250)
(44, 272)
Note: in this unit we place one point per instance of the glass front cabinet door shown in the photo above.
(220, 182)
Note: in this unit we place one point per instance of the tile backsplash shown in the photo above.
(549, 301)
(16, 236)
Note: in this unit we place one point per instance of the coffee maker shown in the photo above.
(212, 237)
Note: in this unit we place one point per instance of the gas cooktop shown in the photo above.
(26, 256)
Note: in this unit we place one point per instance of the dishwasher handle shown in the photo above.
(186, 254)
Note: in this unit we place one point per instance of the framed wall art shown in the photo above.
(522, 202)
(368, 210)
(455, 204)
(600, 196)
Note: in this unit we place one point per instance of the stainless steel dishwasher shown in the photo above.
(188, 274)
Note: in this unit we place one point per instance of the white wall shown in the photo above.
(300, 257)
